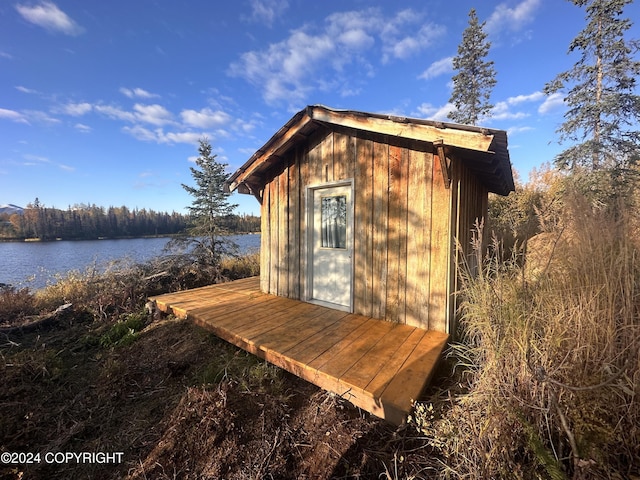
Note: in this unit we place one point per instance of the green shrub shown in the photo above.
(123, 332)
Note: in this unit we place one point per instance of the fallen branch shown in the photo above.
(42, 321)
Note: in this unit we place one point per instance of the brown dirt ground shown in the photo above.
(182, 404)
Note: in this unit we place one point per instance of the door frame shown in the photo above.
(308, 238)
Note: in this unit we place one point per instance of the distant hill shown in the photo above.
(11, 209)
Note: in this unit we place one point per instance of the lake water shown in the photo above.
(33, 264)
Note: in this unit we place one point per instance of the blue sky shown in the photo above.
(103, 101)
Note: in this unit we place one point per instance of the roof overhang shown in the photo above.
(484, 151)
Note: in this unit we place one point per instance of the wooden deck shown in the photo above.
(379, 366)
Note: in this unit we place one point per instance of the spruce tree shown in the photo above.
(474, 82)
(603, 109)
(210, 207)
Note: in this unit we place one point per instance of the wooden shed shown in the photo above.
(362, 212)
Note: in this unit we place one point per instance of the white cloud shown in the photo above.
(353, 30)
(160, 136)
(505, 17)
(140, 133)
(312, 58)
(410, 45)
(6, 55)
(180, 137)
(285, 70)
(13, 116)
(40, 117)
(81, 127)
(551, 103)
(431, 112)
(532, 97)
(40, 161)
(205, 118)
(266, 11)
(516, 130)
(47, 15)
(399, 38)
(22, 89)
(154, 114)
(137, 93)
(437, 68)
(501, 111)
(35, 159)
(77, 109)
(115, 113)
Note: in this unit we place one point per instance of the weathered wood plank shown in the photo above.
(309, 349)
(390, 369)
(454, 137)
(294, 226)
(304, 181)
(416, 248)
(289, 329)
(369, 366)
(404, 390)
(283, 233)
(345, 358)
(341, 344)
(297, 330)
(363, 219)
(440, 250)
(273, 236)
(327, 156)
(265, 240)
(341, 158)
(404, 232)
(380, 226)
(395, 229)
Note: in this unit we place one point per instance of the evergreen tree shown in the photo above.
(473, 83)
(601, 101)
(209, 207)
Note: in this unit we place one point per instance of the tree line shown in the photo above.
(84, 222)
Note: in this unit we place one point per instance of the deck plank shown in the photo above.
(379, 366)
(365, 370)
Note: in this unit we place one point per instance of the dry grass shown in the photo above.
(15, 304)
(552, 361)
(125, 286)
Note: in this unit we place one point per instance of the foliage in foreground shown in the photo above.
(550, 351)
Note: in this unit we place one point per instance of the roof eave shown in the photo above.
(478, 139)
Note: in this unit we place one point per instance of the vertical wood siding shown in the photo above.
(404, 222)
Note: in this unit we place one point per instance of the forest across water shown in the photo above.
(90, 222)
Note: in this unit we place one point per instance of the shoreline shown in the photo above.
(134, 237)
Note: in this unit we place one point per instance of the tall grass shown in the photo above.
(551, 357)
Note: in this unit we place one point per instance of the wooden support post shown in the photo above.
(444, 164)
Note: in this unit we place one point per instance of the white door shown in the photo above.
(331, 246)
